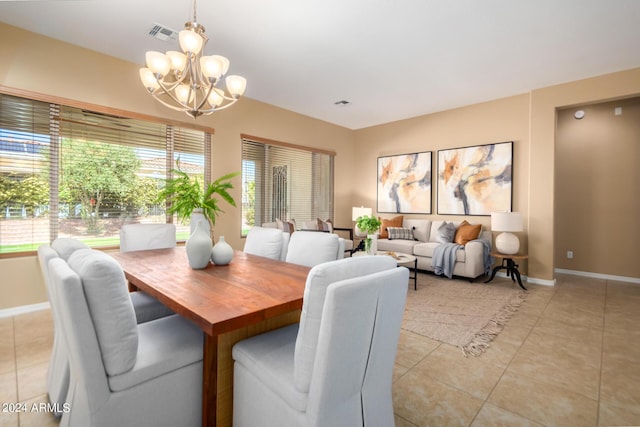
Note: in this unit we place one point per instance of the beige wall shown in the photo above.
(38, 64)
(597, 189)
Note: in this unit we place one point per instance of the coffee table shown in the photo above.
(402, 259)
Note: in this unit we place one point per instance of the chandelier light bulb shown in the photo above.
(211, 67)
(184, 94)
(215, 99)
(148, 79)
(236, 85)
(190, 41)
(178, 60)
(158, 63)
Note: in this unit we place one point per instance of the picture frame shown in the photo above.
(404, 183)
(475, 180)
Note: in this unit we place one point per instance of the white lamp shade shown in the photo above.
(236, 85)
(148, 79)
(178, 60)
(213, 66)
(506, 221)
(357, 212)
(215, 98)
(184, 93)
(158, 63)
(190, 41)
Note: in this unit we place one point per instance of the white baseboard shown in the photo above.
(531, 280)
(14, 311)
(635, 280)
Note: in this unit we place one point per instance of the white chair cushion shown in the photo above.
(65, 246)
(164, 345)
(140, 237)
(266, 242)
(269, 356)
(319, 278)
(114, 319)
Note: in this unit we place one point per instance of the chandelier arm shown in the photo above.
(169, 92)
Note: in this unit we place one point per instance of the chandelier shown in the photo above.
(187, 81)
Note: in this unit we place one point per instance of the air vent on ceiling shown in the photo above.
(342, 102)
(163, 33)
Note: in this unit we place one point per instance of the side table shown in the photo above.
(511, 267)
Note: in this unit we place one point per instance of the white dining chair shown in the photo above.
(122, 373)
(335, 367)
(146, 308)
(267, 242)
(311, 248)
(138, 237)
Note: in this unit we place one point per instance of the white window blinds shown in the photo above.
(70, 172)
(284, 182)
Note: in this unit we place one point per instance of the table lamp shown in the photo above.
(506, 222)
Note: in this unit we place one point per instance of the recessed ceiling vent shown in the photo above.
(342, 102)
(163, 33)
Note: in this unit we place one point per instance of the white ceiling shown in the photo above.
(391, 59)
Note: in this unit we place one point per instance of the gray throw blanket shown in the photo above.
(444, 259)
(488, 259)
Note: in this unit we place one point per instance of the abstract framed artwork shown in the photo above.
(475, 180)
(404, 183)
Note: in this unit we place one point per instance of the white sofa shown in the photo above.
(471, 261)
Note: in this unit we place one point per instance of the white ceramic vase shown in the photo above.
(196, 216)
(222, 252)
(373, 244)
(199, 246)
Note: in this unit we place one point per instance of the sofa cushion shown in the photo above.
(114, 318)
(420, 227)
(446, 232)
(467, 232)
(325, 225)
(403, 246)
(400, 233)
(426, 250)
(393, 222)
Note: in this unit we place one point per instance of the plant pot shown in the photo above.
(371, 244)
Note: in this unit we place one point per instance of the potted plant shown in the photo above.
(186, 194)
(369, 225)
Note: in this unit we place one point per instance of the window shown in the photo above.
(286, 182)
(70, 172)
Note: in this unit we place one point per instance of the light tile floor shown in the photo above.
(568, 357)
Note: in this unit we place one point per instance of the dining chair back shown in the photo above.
(335, 367)
(122, 373)
(267, 242)
(311, 248)
(139, 237)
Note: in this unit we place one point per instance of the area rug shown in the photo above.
(466, 315)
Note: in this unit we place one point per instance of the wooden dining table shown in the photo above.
(250, 295)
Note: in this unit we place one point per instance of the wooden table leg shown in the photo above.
(209, 380)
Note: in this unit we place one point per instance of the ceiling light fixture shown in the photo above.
(186, 81)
